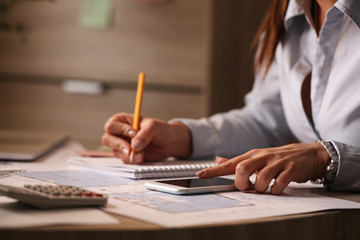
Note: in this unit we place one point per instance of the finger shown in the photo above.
(116, 143)
(119, 128)
(120, 155)
(144, 136)
(244, 170)
(225, 168)
(138, 158)
(122, 117)
(265, 176)
(220, 160)
(244, 187)
(281, 182)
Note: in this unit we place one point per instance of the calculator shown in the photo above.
(54, 196)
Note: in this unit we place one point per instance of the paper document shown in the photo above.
(130, 197)
(173, 211)
(79, 178)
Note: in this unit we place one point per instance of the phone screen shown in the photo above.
(196, 182)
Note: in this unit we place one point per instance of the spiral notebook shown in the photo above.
(162, 169)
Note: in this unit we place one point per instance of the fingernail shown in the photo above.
(126, 151)
(200, 173)
(132, 133)
(136, 145)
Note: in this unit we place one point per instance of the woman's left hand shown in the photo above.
(297, 162)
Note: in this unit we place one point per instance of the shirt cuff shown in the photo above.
(347, 178)
(205, 141)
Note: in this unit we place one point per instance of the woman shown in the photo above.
(307, 72)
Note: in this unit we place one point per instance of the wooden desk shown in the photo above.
(334, 224)
(328, 225)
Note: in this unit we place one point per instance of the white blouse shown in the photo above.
(274, 114)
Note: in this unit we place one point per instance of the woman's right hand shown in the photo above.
(155, 140)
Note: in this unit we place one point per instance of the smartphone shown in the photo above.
(192, 185)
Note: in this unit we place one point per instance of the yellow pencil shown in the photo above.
(139, 94)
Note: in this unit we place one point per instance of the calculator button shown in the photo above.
(86, 194)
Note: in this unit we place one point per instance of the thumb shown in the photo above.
(143, 137)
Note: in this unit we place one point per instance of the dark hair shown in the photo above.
(269, 34)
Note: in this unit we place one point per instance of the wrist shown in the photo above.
(180, 140)
(324, 161)
(329, 171)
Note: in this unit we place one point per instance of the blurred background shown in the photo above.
(68, 65)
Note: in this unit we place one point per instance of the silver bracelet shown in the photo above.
(330, 172)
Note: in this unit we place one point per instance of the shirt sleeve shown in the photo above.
(261, 123)
(347, 178)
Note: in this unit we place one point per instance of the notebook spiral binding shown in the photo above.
(170, 171)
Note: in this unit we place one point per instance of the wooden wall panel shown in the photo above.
(46, 107)
(234, 25)
(167, 41)
(195, 53)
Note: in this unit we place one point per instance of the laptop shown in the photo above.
(16, 145)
